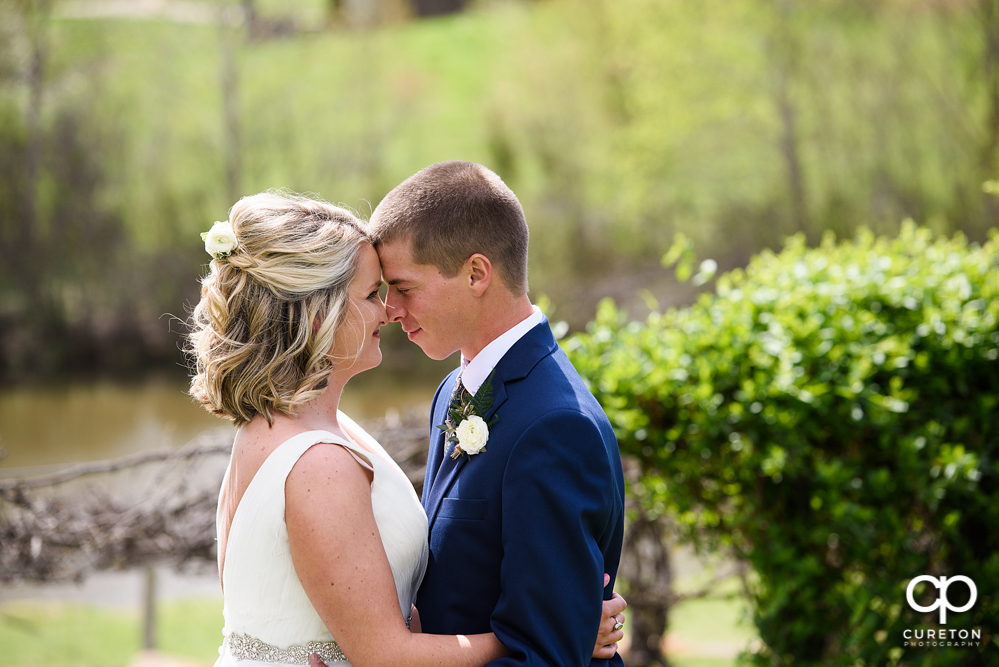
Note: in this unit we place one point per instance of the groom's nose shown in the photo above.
(395, 313)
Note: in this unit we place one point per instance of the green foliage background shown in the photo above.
(618, 123)
(829, 415)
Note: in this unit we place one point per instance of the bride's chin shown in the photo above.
(374, 363)
(362, 364)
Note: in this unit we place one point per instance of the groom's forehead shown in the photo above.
(396, 260)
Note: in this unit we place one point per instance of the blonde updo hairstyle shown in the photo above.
(263, 331)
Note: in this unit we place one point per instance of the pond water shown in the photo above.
(44, 429)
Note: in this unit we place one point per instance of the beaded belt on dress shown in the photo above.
(244, 647)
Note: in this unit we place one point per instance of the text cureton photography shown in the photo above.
(942, 637)
(928, 637)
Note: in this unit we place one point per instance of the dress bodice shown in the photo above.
(268, 616)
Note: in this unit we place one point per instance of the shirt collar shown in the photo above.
(473, 373)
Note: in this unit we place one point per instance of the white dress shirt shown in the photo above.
(473, 373)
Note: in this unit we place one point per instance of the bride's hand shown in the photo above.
(610, 633)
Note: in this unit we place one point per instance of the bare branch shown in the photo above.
(218, 441)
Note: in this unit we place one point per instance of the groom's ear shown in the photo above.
(479, 272)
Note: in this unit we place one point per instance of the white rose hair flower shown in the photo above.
(220, 240)
(473, 433)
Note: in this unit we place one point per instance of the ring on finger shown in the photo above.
(618, 624)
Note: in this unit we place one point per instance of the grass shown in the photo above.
(708, 632)
(36, 634)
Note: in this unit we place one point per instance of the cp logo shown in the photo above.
(941, 583)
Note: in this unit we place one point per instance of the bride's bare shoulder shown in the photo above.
(327, 475)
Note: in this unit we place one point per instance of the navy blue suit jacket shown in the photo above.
(522, 533)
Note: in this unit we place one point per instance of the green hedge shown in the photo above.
(830, 414)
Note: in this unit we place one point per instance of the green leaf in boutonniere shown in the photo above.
(483, 399)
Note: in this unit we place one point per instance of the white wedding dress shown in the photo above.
(268, 617)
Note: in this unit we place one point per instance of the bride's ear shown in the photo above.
(479, 271)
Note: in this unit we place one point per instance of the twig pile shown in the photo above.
(49, 536)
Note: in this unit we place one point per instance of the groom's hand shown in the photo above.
(611, 626)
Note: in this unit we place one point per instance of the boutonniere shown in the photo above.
(465, 426)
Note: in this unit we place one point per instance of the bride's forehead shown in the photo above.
(368, 265)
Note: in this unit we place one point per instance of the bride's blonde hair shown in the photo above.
(261, 335)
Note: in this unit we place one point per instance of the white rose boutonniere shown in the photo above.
(464, 426)
(220, 240)
(473, 433)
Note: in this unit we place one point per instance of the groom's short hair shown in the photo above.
(452, 210)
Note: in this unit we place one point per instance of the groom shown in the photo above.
(522, 526)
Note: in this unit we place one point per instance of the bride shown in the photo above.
(322, 541)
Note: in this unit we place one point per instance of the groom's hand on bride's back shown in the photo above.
(611, 626)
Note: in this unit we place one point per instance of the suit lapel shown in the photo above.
(433, 465)
(525, 354)
(445, 478)
(436, 454)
